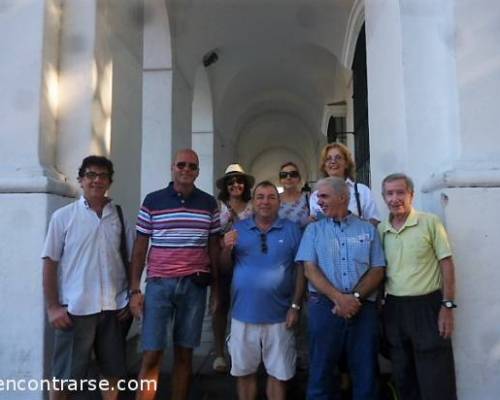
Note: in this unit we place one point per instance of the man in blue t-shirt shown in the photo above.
(267, 292)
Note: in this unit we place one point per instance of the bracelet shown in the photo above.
(133, 292)
(295, 307)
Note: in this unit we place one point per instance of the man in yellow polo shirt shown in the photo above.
(420, 286)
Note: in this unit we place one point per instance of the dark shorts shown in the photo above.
(102, 333)
(225, 280)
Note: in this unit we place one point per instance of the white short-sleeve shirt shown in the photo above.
(368, 206)
(91, 275)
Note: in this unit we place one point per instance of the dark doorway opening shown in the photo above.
(360, 109)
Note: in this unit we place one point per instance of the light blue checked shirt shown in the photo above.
(343, 250)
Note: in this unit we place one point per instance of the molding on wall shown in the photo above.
(45, 182)
(463, 177)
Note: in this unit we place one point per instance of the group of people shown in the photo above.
(266, 255)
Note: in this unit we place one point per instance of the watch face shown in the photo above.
(357, 295)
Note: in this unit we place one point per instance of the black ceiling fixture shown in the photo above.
(210, 58)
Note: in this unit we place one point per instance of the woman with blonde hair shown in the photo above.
(336, 160)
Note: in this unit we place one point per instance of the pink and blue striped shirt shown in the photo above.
(179, 228)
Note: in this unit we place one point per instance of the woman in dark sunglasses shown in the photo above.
(234, 195)
(294, 204)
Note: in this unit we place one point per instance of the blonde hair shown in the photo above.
(350, 170)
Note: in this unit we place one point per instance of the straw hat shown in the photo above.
(235, 170)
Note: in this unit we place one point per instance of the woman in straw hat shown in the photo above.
(234, 195)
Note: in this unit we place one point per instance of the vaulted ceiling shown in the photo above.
(278, 66)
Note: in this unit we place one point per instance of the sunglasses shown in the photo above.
(94, 175)
(232, 181)
(263, 243)
(184, 164)
(291, 174)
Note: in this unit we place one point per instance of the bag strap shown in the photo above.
(358, 202)
(123, 241)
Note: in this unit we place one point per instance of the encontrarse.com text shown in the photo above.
(73, 385)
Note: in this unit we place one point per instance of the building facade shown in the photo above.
(254, 82)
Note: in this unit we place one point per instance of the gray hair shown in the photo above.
(396, 177)
(338, 185)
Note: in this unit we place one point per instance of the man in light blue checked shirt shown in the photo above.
(344, 263)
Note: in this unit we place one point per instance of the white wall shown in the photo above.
(472, 219)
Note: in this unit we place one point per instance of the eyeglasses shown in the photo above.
(94, 175)
(184, 164)
(291, 174)
(263, 243)
(336, 158)
(232, 181)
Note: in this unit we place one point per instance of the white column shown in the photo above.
(157, 99)
(203, 130)
(472, 187)
(28, 110)
(433, 84)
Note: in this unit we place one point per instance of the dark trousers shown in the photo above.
(330, 336)
(422, 361)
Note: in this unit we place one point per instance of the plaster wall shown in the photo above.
(478, 70)
(472, 219)
(27, 76)
(412, 89)
(23, 344)
(78, 82)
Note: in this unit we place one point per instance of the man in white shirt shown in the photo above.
(85, 282)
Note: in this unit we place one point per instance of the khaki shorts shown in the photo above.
(274, 344)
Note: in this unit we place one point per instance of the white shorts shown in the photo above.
(274, 344)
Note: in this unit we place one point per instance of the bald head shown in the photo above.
(189, 152)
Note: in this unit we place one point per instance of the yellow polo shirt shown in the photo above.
(413, 254)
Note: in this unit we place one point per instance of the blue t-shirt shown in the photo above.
(264, 282)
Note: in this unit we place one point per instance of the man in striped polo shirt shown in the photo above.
(181, 223)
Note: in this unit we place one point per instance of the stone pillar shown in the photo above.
(157, 145)
(28, 109)
(433, 77)
(470, 188)
(203, 131)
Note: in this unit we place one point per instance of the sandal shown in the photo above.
(220, 365)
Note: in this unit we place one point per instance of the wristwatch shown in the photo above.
(357, 295)
(448, 304)
(295, 307)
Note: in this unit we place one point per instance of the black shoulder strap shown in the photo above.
(358, 202)
(123, 241)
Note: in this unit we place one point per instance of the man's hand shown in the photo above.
(124, 314)
(347, 306)
(445, 322)
(59, 317)
(136, 304)
(292, 317)
(230, 239)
